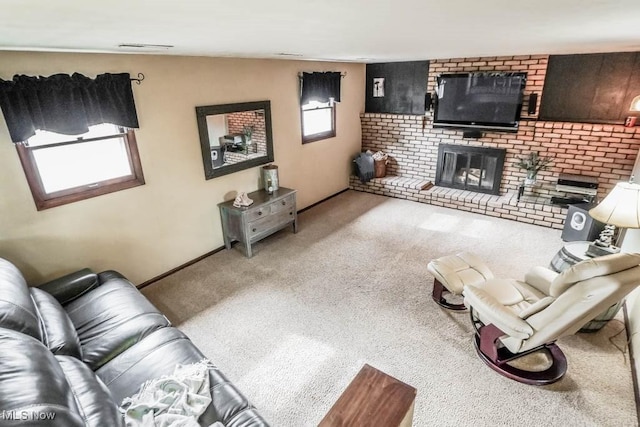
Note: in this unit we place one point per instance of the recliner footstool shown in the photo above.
(452, 273)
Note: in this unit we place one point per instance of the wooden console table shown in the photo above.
(372, 399)
(268, 214)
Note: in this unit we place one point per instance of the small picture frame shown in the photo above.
(378, 87)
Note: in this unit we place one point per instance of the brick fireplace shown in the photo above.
(470, 168)
(607, 152)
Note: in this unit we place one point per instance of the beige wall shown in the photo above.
(148, 230)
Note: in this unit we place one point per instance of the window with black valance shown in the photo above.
(66, 104)
(319, 92)
(73, 134)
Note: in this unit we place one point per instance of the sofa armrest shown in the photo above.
(67, 288)
(540, 278)
(107, 275)
(491, 311)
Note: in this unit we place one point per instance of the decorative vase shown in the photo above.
(270, 178)
(531, 178)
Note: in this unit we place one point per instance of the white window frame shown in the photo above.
(320, 135)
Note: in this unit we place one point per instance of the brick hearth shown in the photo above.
(530, 209)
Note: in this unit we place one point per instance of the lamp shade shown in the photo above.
(635, 104)
(621, 207)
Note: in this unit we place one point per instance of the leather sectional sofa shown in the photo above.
(75, 347)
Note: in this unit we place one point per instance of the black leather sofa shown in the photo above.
(75, 347)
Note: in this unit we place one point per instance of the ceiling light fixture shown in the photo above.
(635, 104)
(288, 54)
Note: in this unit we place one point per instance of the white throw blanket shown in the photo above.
(176, 400)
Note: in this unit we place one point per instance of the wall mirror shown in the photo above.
(234, 137)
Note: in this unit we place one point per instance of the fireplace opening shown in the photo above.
(470, 168)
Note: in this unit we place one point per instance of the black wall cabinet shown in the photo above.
(592, 88)
(405, 85)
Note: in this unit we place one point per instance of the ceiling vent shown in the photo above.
(143, 46)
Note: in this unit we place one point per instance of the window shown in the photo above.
(62, 169)
(318, 121)
(319, 91)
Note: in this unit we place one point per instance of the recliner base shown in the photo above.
(438, 296)
(486, 343)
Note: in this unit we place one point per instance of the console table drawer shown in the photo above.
(284, 204)
(266, 210)
(268, 223)
(257, 213)
(268, 214)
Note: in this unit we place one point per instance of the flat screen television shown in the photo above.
(482, 101)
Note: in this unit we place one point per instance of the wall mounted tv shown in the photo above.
(481, 101)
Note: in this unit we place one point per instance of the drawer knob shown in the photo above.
(259, 212)
(284, 203)
(290, 213)
(254, 230)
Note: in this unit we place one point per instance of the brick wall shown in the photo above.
(237, 121)
(604, 151)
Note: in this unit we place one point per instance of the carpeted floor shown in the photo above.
(294, 324)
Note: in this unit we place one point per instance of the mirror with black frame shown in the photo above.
(234, 137)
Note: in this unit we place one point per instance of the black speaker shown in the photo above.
(217, 156)
(579, 226)
(533, 102)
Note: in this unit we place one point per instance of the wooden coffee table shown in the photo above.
(373, 399)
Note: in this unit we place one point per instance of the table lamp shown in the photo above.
(621, 208)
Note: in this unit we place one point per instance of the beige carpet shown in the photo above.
(294, 324)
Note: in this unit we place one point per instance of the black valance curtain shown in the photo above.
(320, 87)
(66, 104)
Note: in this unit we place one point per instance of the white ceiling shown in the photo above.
(336, 30)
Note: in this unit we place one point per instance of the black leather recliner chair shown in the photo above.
(73, 348)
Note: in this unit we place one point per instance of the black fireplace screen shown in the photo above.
(470, 168)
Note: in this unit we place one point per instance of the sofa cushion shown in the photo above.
(58, 332)
(32, 383)
(93, 399)
(157, 355)
(17, 310)
(112, 318)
